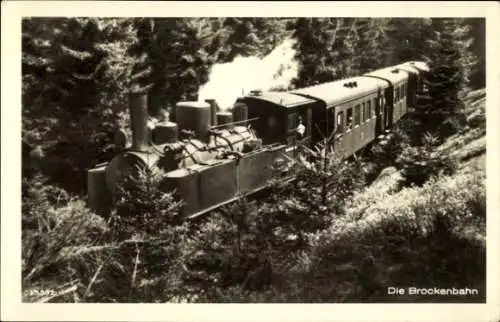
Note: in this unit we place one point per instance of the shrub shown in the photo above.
(385, 153)
(137, 256)
(418, 164)
(421, 235)
(143, 208)
(38, 198)
(146, 219)
(452, 125)
(231, 250)
(477, 119)
(387, 183)
(50, 247)
(51, 221)
(253, 249)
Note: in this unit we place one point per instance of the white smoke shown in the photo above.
(229, 81)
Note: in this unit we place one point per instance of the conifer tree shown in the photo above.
(251, 36)
(323, 184)
(270, 32)
(407, 38)
(371, 46)
(241, 38)
(75, 73)
(334, 48)
(450, 60)
(478, 31)
(176, 56)
(315, 41)
(345, 47)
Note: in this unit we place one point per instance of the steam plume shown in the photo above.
(229, 81)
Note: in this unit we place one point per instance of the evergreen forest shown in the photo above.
(411, 209)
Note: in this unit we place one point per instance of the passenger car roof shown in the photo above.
(334, 93)
(284, 99)
(392, 74)
(410, 68)
(418, 64)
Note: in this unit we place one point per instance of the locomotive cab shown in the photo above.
(278, 115)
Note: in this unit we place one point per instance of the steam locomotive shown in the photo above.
(212, 157)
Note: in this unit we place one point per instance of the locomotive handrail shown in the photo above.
(234, 123)
(191, 155)
(236, 154)
(222, 137)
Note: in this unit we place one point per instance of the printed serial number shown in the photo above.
(39, 292)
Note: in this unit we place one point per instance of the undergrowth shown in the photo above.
(322, 238)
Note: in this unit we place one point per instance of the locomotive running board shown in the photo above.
(249, 193)
(272, 148)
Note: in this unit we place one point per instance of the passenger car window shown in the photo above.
(365, 113)
(357, 114)
(369, 109)
(340, 122)
(349, 119)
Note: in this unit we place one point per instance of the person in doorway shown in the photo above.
(349, 123)
(301, 129)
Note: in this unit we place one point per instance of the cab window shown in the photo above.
(292, 121)
(369, 109)
(365, 113)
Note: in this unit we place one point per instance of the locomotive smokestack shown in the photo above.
(138, 105)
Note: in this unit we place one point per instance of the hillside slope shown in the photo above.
(428, 236)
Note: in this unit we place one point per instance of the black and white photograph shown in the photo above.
(237, 158)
